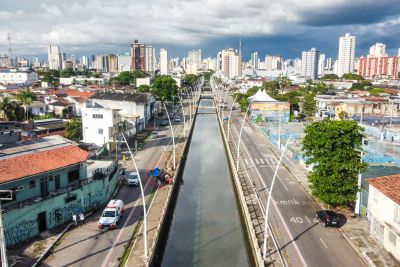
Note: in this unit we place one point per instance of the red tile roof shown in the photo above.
(43, 161)
(388, 185)
(76, 93)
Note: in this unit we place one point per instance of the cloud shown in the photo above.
(98, 24)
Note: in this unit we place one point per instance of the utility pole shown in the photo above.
(4, 195)
(10, 62)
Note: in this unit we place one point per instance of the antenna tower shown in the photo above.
(9, 50)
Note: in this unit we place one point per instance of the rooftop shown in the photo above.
(388, 185)
(122, 96)
(25, 165)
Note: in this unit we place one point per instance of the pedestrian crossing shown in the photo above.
(260, 161)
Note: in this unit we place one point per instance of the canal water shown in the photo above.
(206, 227)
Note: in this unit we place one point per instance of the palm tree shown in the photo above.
(10, 110)
(26, 97)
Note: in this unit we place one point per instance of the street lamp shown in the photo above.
(230, 114)
(4, 195)
(240, 138)
(270, 197)
(173, 138)
(143, 200)
(183, 114)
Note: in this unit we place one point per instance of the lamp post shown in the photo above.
(4, 195)
(240, 138)
(270, 197)
(142, 193)
(183, 114)
(173, 138)
(230, 113)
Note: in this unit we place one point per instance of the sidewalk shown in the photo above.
(355, 230)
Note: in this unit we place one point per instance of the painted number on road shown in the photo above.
(296, 220)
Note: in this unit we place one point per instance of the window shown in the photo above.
(70, 198)
(97, 116)
(100, 131)
(73, 176)
(392, 238)
(51, 178)
(32, 184)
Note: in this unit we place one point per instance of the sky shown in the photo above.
(284, 27)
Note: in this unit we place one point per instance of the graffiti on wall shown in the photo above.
(20, 232)
(94, 199)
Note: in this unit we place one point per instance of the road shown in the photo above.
(89, 246)
(304, 242)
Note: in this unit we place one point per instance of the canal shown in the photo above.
(206, 227)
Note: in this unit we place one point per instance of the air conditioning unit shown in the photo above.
(20, 188)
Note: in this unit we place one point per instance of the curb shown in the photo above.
(44, 254)
(364, 258)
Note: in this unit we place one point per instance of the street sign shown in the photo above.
(6, 195)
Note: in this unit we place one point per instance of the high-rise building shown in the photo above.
(54, 57)
(228, 63)
(254, 59)
(321, 65)
(347, 48)
(193, 61)
(309, 64)
(112, 63)
(378, 67)
(85, 61)
(273, 63)
(138, 56)
(398, 53)
(329, 64)
(150, 58)
(163, 61)
(124, 62)
(378, 50)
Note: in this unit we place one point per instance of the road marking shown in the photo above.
(307, 219)
(296, 247)
(247, 162)
(105, 262)
(256, 160)
(252, 162)
(323, 243)
(261, 160)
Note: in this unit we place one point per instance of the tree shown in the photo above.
(377, 91)
(26, 97)
(330, 77)
(73, 130)
(164, 88)
(67, 73)
(190, 79)
(334, 148)
(283, 81)
(352, 76)
(144, 88)
(10, 110)
(243, 99)
(309, 105)
(272, 88)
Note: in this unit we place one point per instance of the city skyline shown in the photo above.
(286, 28)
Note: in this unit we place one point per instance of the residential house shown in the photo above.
(99, 124)
(49, 180)
(136, 109)
(384, 212)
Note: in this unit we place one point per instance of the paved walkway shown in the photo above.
(355, 230)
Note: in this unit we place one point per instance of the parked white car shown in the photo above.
(111, 214)
(133, 179)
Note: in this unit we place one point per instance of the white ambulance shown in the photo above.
(111, 214)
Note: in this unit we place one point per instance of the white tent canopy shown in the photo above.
(261, 96)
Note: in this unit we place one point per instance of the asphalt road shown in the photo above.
(303, 241)
(89, 246)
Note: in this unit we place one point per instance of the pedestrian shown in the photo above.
(74, 219)
(82, 217)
